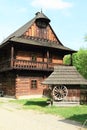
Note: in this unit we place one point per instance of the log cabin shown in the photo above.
(28, 57)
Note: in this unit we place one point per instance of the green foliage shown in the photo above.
(67, 60)
(79, 61)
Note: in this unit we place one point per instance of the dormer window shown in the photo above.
(41, 20)
(41, 24)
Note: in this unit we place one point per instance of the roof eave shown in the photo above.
(35, 43)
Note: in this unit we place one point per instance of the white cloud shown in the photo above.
(51, 4)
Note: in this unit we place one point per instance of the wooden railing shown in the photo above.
(25, 64)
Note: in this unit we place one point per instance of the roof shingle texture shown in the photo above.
(66, 75)
(17, 36)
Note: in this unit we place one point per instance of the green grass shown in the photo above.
(77, 113)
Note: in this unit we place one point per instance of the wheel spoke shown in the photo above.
(59, 92)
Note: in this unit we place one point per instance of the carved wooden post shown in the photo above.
(47, 58)
(12, 55)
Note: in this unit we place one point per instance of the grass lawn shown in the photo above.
(77, 113)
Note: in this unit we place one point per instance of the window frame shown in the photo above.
(33, 84)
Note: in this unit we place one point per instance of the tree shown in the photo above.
(66, 60)
(79, 61)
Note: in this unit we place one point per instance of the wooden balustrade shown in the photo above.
(25, 64)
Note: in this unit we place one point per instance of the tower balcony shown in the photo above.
(25, 65)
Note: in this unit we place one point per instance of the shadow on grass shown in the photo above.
(80, 118)
(36, 103)
(76, 119)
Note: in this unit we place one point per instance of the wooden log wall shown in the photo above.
(21, 55)
(42, 33)
(23, 86)
(7, 82)
(73, 94)
(57, 60)
(40, 58)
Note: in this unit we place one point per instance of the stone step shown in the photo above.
(62, 103)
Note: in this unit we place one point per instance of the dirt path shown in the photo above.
(13, 118)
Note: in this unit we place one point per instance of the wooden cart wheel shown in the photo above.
(59, 92)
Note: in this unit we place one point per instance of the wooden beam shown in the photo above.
(47, 58)
(12, 55)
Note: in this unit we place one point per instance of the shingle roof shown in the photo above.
(20, 31)
(24, 28)
(66, 75)
(40, 15)
(41, 43)
(17, 36)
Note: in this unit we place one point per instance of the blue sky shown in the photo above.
(68, 18)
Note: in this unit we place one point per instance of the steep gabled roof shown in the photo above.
(23, 29)
(17, 36)
(65, 75)
(20, 31)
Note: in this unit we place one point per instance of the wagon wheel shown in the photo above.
(59, 92)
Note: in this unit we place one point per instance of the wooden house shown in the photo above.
(28, 57)
(65, 83)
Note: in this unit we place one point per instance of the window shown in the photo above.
(33, 84)
(41, 24)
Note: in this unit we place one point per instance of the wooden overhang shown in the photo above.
(65, 75)
(41, 43)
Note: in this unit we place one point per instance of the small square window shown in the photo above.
(33, 84)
